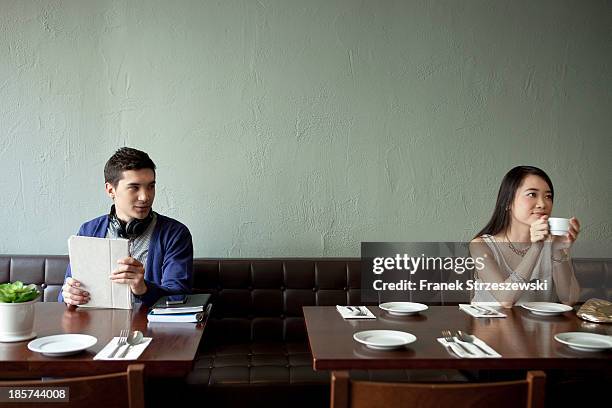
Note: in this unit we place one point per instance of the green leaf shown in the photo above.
(17, 292)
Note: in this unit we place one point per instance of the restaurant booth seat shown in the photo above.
(255, 343)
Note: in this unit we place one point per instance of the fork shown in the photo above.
(468, 338)
(449, 339)
(121, 342)
(356, 309)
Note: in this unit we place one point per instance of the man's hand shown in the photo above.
(130, 271)
(73, 294)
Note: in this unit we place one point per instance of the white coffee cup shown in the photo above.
(558, 226)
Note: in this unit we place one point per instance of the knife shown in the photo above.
(482, 310)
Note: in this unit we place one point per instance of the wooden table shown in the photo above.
(170, 354)
(524, 340)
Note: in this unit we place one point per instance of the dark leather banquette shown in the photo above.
(255, 344)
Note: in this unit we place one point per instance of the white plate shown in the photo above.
(585, 341)
(384, 339)
(402, 308)
(62, 344)
(546, 308)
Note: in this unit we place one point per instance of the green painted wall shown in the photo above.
(301, 128)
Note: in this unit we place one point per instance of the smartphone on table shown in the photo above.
(176, 300)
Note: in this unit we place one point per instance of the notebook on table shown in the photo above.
(193, 309)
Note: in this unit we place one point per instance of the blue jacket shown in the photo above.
(169, 262)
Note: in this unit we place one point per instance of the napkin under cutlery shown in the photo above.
(479, 311)
(133, 353)
(476, 352)
(355, 312)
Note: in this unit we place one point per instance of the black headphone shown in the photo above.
(131, 229)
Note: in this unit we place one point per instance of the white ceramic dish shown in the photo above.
(546, 308)
(384, 339)
(62, 344)
(582, 341)
(402, 308)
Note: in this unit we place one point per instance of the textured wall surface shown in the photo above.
(303, 127)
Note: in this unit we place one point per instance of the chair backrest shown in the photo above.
(365, 394)
(125, 389)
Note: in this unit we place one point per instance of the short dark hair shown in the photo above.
(124, 159)
(500, 220)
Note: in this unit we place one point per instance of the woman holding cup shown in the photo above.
(517, 244)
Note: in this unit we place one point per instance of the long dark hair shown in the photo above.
(500, 220)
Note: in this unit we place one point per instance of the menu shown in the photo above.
(92, 260)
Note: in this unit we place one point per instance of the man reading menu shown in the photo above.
(161, 250)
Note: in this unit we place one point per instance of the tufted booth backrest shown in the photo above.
(262, 299)
(47, 272)
(595, 277)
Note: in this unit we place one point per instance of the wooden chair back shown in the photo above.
(125, 389)
(368, 394)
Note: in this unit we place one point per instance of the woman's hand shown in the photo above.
(566, 241)
(539, 229)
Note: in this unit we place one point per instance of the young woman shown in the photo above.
(517, 245)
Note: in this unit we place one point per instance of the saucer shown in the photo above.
(402, 308)
(62, 344)
(384, 339)
(582, 341)
(546, 308)
(13, 339)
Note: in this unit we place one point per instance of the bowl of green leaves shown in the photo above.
(17, 311)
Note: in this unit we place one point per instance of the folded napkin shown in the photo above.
(475, 312)
(476, 352)
(346, 313)
(133, 353)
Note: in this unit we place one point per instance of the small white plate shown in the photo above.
(62, 344)
(546, 308)
(582, 341)
(402, 308)
(384, 339)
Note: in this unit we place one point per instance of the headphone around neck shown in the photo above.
(132, 229)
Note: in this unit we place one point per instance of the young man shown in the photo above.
(161, 250)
